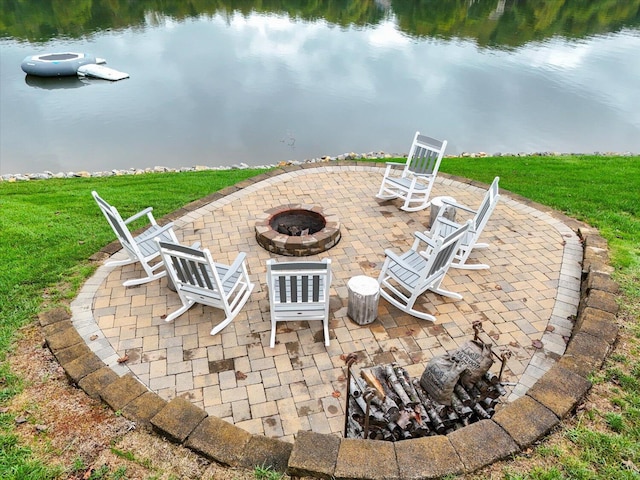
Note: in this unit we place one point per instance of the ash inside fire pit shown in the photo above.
(298, 222)
(297, 230)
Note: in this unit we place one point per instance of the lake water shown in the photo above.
(261, 87)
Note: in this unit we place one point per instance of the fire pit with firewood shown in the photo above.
(297, 230)
(456, 389)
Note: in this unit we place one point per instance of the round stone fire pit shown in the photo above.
(297, 230)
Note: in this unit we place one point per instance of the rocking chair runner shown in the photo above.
(443, 227)
(414, 183)
(299, 291)
(198, 279)
(405, 277)
(141, 248)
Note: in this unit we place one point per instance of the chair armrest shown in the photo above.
(142, 213)
(395, 258)
(144, 236)
(235, 266)
(455, 226)
(423, 238)
(456, 205)
(422, 175)
(447, 222)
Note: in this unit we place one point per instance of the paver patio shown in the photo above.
(528, 295)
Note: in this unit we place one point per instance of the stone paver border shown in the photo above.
(520, 423)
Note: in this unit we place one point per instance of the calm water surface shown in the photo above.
(260, 88)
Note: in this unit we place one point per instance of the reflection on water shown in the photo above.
(487, 22)
(55, 83)
(230, 86)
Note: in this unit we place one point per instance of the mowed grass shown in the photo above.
(600, 190)
(48, 230)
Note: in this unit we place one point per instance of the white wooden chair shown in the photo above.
(413, 180)
(141, 248)
(299, 291)
(405, 277)
(198, 279)
(442, 227)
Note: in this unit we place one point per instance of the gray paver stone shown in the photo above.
(124, 390)
(314, 455)
(267, 452)
(53, 328)
(82, 366)
(54, 315)
(143, 408)
(482, 443)
(178, 419)
(596, 255)
(428, 457)
(601, 281)
(591, 237)
(366, 459)
(599, 324)
(219, 441)
(64, 338)
(602, 301)
(525, 420)
(100, 257)
(560, 390)
(96, 381)
(585, 354)
(69, 354)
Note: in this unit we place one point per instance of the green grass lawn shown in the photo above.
(48, 230)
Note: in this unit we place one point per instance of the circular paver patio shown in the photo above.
(529, 294)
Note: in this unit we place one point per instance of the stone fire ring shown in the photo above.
(297, 246)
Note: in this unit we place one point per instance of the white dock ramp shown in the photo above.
(100, 71)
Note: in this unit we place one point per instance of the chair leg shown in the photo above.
(272, 342)
(421, 204)
(446, 293)
(120, 263)
(470, 266)
(221, 325)
(386, 194)
(406, 308)
(140, 281)
(326, 332)
(237, 306)
(460, 261)
(180, 311)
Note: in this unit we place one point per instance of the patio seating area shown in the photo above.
(524, 302)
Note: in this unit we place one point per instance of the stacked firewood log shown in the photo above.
(386, 404)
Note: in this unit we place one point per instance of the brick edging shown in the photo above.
(512, 429)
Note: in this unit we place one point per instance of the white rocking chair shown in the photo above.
(141, 248)
(443, 227)
(198, 279)
(405, 277)
(299, 291)
(414, 182)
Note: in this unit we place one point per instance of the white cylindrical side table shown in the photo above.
(436, 205)
(364, 293)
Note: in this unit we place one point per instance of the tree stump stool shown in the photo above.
(364, 293)
(437, 204)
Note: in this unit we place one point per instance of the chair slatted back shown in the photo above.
(425, 155)
(117, 224)
(486, 207)
(441, 257)
(299, 282)
(192, 266)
